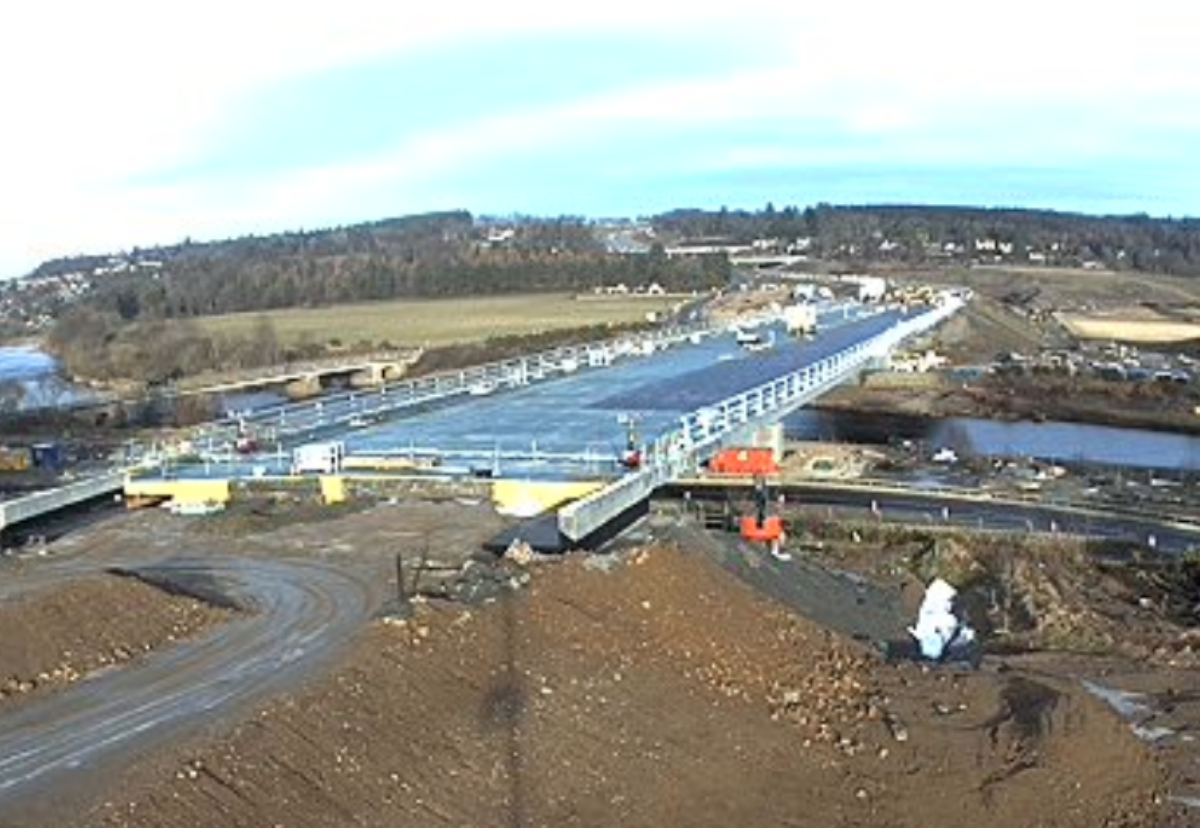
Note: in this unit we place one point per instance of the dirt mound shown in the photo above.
(57, 637)
(652, 690)
(1068, 594)
(1032, 592)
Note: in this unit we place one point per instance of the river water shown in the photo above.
(30, 379)
(1064, 443)
(25, 364)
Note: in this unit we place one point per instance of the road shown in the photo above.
(298, 614)
(973, 511)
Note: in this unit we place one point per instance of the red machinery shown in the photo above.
(631, 457)
(744, 462)
(761, 527)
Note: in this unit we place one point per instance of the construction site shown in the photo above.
(604, 586)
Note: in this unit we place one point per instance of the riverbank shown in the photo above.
(1153, 406)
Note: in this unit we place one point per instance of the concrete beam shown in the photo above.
(43, 503)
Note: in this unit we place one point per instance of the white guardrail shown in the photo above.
(700, 433)
(345, 409)
(39, 503)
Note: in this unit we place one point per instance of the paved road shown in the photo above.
(973, 511)
(709, 384)
(299, 614)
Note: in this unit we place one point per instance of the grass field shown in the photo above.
(1076, 287)
(435, 322)
(1134, 330)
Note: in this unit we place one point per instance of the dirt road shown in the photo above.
(651, 689)
(307, 579)
(296, 615)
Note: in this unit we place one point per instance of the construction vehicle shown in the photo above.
(631, 457)
(322, 458)
(800, 319)
(744, 462)
(15, 458)
(762, 527)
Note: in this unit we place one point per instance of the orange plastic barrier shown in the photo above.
(768, 531)
(744, 462)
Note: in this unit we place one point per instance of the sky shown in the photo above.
(140, 122)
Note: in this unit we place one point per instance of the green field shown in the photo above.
(434, 322)
(1065, 287)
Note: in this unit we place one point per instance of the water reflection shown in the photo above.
(968, 437)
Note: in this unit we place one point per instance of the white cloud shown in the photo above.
(101, 96)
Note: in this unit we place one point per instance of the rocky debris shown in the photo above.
(520, 553)
(55, 638)
(1033, 593)
(480, 582)
(657, 690)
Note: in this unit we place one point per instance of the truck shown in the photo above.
(319, 458)
(800, 319)
(871, 289)
(15, 458)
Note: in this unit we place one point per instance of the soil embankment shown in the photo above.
(650, 689)
(1154, 406)
(61, 635)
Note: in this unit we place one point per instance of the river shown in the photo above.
(1063, 443)
(30, 379)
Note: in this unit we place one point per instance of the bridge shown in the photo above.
(37, 504)
(333, 413)
(684, 392)
(701, 433)
(698, 399)
(374, 369)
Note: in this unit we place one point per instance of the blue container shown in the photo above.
(48, 456)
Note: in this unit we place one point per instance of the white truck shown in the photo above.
(871, 289)
(800, 319)
(321, 458)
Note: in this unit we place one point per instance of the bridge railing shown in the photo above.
(343, 409)
(40, 503)
(680, 450)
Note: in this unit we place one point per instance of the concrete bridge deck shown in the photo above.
(42, 503)
(680, 394)
(713, 424)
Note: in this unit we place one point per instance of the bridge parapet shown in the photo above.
(700, 433)
(299, 419)
(40, 503)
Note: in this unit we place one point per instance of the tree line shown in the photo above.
(136, 322)
(921, 235)
(441, 255)
(99, 345)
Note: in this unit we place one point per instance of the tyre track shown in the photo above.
(300, 612)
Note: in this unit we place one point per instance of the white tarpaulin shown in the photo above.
(938, 629)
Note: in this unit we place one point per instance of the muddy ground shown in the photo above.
(651, 688)
(61, 635)
(1155, 406)
(988, 328)
(1124, 625)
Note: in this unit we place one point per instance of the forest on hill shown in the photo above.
(134, 319)
(925, 235)
(127, 315)
(431, 256)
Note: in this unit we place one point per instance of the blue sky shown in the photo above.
(133, 123)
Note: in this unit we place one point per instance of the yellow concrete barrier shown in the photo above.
(527, 498)
(180, 491)
(333, 490)
(392, 464)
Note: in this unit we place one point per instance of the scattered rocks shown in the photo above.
(56, 638)
(663, 692)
